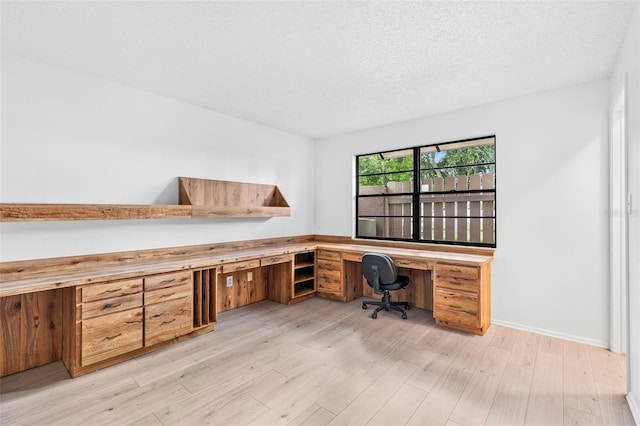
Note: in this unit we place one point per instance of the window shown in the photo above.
(441, 193)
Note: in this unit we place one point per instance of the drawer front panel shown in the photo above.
(167, 320)
(465, 278)
(109, 306)
(329, 255)
(463, 284)
(110, 289)
(457, 271)
(240, 266)
(169, 293)
(412, 264)
(333, 287)
(329, 265)
(157, 282)
(455, 307)
(111, 335)
(329, 275)
(273, 260)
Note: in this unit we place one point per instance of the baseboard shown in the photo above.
(571, 337)
(635, 411)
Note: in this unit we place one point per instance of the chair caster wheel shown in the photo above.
(408, 307)
(374, 315)
(364, 305)
(404, 316)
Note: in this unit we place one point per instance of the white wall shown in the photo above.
(628, 64)
(550, 269)
(71, 138)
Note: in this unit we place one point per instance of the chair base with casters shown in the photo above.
(386, 304)
(382, 275)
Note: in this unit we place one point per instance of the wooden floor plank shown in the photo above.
(434, 362)
(313, 416)
(292, 405)
(440, 402)
(510, 404)
(148, 420)
(476, 400)
(578, 417)
(399, 409)
(613, 405)
(213, 407)
(545, 406)
(579, 385)
(365, 406)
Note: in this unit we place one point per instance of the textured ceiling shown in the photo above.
(323, 68)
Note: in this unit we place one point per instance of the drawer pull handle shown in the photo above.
(112, 305)
(169, 322)
(113, 291)
(158, 315)
(456, 270)
(113, 337)
(168, 295)
(167, 281)
(456, 306)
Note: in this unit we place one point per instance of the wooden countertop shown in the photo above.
(24, 277)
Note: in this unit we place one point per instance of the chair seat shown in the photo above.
(401, 282)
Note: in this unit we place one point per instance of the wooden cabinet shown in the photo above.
(168, 305)
(304, 283)
(329, 275)
(110, 320)
(113, 321)
(462, 297)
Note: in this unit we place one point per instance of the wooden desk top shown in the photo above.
(47, 274)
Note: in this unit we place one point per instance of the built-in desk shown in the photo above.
(455, 286)
(96, 310)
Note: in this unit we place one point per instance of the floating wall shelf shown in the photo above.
(197, 198)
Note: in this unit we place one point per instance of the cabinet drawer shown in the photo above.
(157, 282)
(330, 286)
(240, 266)
(169, 293)
(329, 275)
(110, 289)
(456, 307)
(109, 306)
(110, 335)
(412, 264)
(167, 320)
(329, 265)
(457, 271)
(273, 260)
(329, 255)
(457, 277)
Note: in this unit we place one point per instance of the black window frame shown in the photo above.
(417, 192)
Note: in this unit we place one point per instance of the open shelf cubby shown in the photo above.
(304, 274)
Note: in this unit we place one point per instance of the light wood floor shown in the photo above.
(322, 362)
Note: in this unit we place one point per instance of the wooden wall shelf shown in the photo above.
(211, 198)
(197, 198)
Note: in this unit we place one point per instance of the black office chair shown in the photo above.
(382, 275)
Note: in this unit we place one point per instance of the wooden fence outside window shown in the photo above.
(448, 212)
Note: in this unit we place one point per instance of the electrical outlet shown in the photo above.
(229, 281)
(249, 276)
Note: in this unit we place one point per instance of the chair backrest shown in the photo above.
(378, 269)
